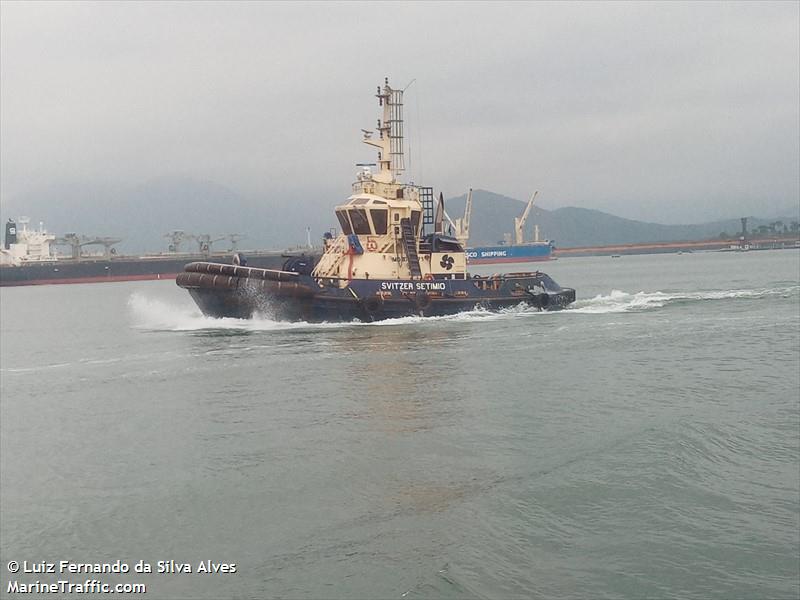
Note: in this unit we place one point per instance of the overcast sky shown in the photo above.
(664, 112)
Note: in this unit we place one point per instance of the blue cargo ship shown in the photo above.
(518, 253)
(513, 249)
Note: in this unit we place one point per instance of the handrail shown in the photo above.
(339, 245)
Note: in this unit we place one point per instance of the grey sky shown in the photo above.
(658, 111)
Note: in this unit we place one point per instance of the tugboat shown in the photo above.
(392, 258)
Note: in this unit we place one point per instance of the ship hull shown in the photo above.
(117, 269)
(523, 253)
(239, 292)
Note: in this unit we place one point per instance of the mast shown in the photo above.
(391, 161)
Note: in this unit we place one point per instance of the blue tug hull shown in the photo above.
(242, 292)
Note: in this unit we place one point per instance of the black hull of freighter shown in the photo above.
(120, 269)
(243, 292)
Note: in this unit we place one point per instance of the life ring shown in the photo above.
(428, 277)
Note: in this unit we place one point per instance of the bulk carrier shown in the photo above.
(28, 257)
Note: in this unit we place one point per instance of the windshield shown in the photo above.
(344, 222)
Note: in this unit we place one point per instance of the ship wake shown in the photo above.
(620, 302)
(156, 314)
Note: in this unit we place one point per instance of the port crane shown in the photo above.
(204, 242)
(519, 222)
(234, 239)
(76, 242)
(176, 238)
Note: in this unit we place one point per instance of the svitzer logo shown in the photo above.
(447, 262)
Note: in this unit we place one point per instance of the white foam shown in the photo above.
(158, 315)
(35, 369)
(470, 316)
(618, 301)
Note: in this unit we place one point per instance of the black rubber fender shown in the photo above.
(372, 306)
(422, 301)
(544, 300)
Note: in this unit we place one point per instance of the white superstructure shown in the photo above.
(28, 245)
(382, 223)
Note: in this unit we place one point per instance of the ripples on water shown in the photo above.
(643, 443)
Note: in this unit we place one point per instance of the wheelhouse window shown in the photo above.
(379, 220)
(344, 222)
(360, 222)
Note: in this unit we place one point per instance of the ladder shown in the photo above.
(410, 246)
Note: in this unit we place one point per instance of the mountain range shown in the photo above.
(493, 216)
(143, 214)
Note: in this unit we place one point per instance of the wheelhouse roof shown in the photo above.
(374, 201)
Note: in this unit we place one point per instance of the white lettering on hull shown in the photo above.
(411, 286)
(487, 253)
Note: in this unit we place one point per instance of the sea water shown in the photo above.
(644, 443)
